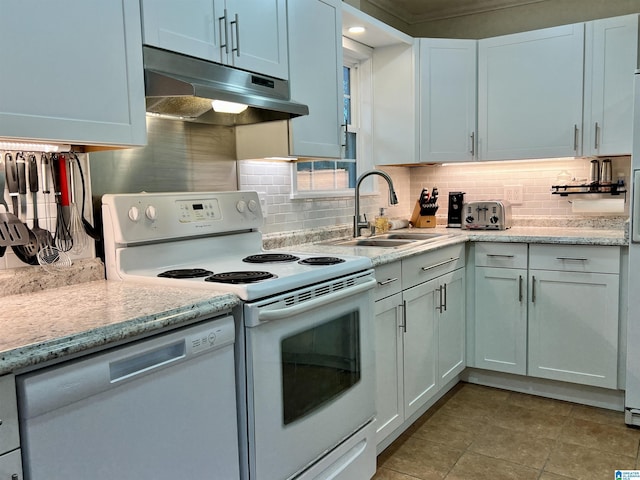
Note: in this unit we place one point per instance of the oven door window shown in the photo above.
(319, 364)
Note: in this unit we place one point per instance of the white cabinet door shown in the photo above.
(11, 466)
(573, 327)
(315, 74)
(611, 49)
(530, 94)
(447, 100)
(451, 326)
(501, 319)
(420, 345)
(9, 436)
(192, 28)
(395, 112)
(257, 36)
(69, 79)
(389, 378)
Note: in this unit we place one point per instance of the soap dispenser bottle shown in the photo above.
(382, 222)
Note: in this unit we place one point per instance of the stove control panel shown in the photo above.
(198, 210)
(147, 217)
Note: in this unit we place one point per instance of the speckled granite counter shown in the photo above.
(60, 322)
(552, 235)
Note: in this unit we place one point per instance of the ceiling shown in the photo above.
(413, 12)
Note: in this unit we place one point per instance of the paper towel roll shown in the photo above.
(598, 206)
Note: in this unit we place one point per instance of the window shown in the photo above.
(333, 177)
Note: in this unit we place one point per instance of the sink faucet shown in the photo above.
(358, 224)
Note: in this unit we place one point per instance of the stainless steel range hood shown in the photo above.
(183, 87)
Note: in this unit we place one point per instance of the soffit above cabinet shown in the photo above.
(377, 34)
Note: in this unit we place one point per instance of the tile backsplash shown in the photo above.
(479, 181)
(487, 181)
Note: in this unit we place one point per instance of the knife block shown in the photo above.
(422, 221)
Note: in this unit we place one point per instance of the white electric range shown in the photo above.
(304, 336)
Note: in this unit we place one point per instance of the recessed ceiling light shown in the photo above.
(356, 29)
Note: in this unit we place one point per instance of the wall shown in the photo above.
(510, 20)
(486, 181)
(273, 181)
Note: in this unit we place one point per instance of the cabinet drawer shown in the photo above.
(432, 264)
(575, 258)
(389, 278)
(9, 438)
(501, 255)
(11, 466)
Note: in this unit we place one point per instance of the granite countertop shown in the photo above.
(519, 234)
(60, 322)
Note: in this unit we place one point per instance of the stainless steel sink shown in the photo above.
(414, 236)
(374, 242)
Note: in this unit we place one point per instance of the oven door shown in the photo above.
(310, 373)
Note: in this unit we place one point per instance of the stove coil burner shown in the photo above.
(270, 258)
(239, 277)
(321, 261)
(186, 273)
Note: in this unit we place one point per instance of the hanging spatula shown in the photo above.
(12, 231)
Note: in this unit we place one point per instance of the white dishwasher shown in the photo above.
(159, 409)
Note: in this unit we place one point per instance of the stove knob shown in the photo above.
(253, 206)
(134, 214)
(469, 219)
(241, 206)
(151, 213)
(494, 219)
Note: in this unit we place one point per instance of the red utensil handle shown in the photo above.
(64, 181)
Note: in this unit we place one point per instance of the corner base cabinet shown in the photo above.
(557, 319)
(69, 81)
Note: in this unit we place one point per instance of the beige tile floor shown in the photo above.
(477, 433)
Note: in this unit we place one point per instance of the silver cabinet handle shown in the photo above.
(499, 256)
(387, 281)
(473, 144)
(222, 23)
(596, 144)
(15, 477)
(575, 137)
(520, 288)
(424, 269)
(533, 289)
(444, 287)
(235, 22)
(404, 316)
(572, 259)
(439, 307)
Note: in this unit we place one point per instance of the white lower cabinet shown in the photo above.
(501, 307)
(573, 316)
(11, 466)
(10, 458)
(420, 333)
(556, 318)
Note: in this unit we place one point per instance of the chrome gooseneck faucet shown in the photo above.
(358, 224)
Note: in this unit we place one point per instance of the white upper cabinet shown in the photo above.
(68, 79)
(192, 28)
(248, 34)
(611, 48)
(315, 75)
(395, 98)
(447, 100)
(530, 94)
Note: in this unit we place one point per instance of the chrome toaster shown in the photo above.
(487, 215)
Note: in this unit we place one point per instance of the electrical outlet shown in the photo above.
(513, 194)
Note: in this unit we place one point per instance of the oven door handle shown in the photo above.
(277, 314)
